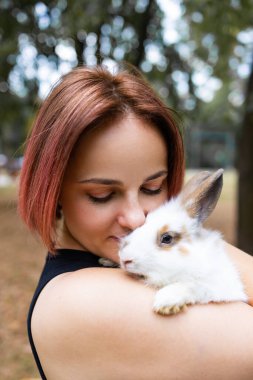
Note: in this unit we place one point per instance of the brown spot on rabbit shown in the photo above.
(182, 249)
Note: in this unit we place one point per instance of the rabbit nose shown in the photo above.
(126, 262)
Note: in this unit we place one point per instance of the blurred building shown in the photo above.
(210, 148)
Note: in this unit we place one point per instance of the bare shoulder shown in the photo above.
(244, 264)
(99, 322)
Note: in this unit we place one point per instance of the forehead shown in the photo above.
(128, 141)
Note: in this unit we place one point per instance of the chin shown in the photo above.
(109, 250)
(112, 254)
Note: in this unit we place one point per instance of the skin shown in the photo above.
(115, 183)
(118, 336)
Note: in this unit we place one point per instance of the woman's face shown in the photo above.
(116, 176)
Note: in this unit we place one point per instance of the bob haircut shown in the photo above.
(82, 100)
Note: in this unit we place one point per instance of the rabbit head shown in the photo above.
(164, 245)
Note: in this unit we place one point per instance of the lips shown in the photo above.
(118, 238)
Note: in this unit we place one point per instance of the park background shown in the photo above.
(197, 54)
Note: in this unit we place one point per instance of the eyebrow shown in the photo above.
(107, 181)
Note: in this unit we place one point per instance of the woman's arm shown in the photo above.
(98, 324)
(244, 263)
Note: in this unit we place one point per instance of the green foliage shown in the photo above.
(136, 31)
(215, 26)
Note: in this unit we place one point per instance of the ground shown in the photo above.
(22, 257)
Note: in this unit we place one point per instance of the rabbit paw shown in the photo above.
(172, 299)
(169, 310)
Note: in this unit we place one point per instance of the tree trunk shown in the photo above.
(143, 33)
(79, 48)
(245, 165)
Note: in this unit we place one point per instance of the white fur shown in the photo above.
(202, 274)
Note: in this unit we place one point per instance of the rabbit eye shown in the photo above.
(166, 239)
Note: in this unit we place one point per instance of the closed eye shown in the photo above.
(155, 186)
(151, 191)
(103, 199)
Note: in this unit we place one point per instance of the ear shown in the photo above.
(201, 193)
(194, 183)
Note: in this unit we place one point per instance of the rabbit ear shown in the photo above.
(201, 193)
(194, 183)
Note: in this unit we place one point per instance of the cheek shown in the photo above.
(154, 202)
(85, 217)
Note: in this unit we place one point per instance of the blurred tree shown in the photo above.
(221, 32)
(41, 40)
(193, 52)
(245, 196)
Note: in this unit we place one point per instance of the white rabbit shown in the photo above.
(173, 252)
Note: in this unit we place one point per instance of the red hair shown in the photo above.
(82, 99)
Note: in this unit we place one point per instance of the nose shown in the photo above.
(132, 215)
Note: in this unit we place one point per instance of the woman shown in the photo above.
(103, 153)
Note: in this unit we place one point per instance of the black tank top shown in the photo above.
(65, 260)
